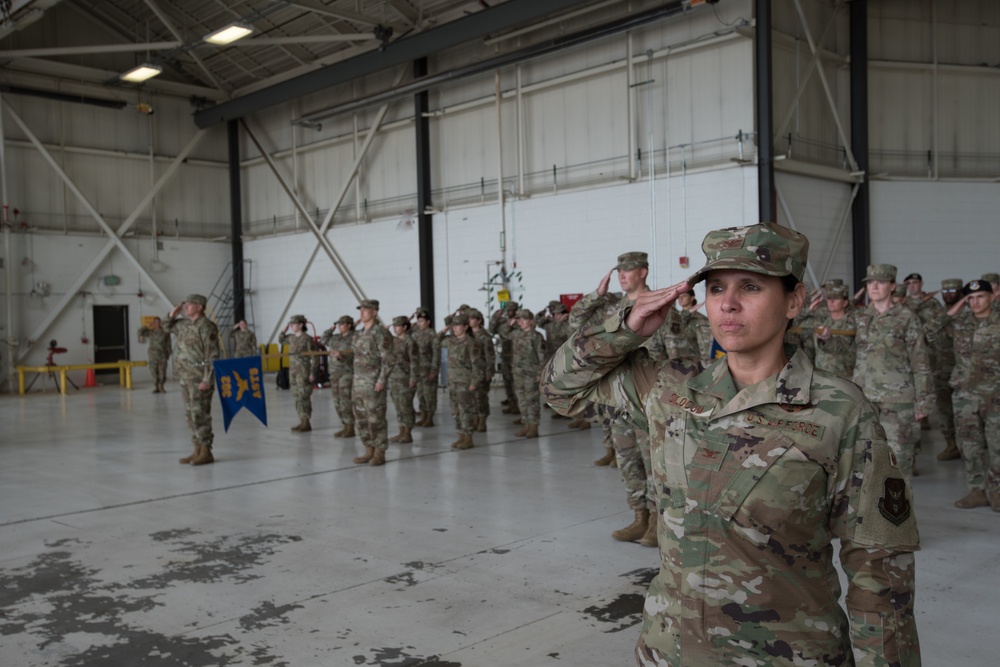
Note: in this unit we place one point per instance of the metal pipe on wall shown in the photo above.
(503, 213)
(8, 286)
(425, 220)
(236, 218)
(860, 233)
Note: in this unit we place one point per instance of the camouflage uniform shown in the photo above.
(976, 381)
(429, 352)
(485, 341)
(197, 348)
(300, 368)
(753, 486)
(692, 319)
(592, 309)
(557, 332)
(893, 368)
(529, 355)
(404, 376)
(837, 353)
(465, 369)
(373, 362)
(341, 369)
(158, 354)
(500, 326)
(937, 329)
(673, 339)
(245, 343)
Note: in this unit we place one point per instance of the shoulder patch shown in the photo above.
(893, 505)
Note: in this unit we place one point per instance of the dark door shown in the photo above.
(110, 335)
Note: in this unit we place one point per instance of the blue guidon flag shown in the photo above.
(716, 352)
(240, 386)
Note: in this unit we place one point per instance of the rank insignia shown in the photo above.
(893, 504)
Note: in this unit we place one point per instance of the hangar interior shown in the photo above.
(425, 152)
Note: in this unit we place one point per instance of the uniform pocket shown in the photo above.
(765, 487)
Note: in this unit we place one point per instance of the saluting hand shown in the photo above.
(652, 307)
(602, 287)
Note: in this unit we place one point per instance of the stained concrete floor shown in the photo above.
(286, 553)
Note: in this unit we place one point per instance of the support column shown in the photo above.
(425, 229)
(236, 218)
(765, 122)
(860, 225)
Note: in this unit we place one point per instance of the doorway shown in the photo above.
(110, 335)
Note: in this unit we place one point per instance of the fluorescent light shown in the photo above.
(141, 73)
(229, 34)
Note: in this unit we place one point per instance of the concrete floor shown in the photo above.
(286, 553)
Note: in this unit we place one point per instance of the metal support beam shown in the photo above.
(765, 121)
(401, 52)
(425, 229)
(236, 219)
(860, 225)
(114, 235)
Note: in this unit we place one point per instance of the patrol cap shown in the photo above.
(196, 298)
(765, 248)
(951, 285)
(559, 308)
(833, 282)
(900, 290)
(977, 286)
(881, 272)
(525, 314)
(297, 319)
(476, 313)
(460, 318)
(512, 305)
(346, 319)
(400, 321)
(422, 313)
(913, 276)
(369, 303)
(991, 277)
(448, 320)
(464, 307)
(837, 292)
(633, 260)
(554, 303)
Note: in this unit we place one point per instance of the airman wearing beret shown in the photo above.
(729, 441)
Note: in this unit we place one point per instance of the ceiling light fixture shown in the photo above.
(141, 73)
(229, 34)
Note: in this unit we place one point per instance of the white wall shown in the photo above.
(940, 230)
(561, 244)
(184, 267)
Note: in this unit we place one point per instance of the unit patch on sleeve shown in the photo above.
(893, 504)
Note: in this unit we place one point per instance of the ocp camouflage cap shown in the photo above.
(633, 260)
(554, 303)
(196, 298)
(991, 277)
(476, 313)
(369, 303)
(346, 319)
(833, 282)
(525, 314)
(400, 321)
(951, 285)
(422, 313)
(881, 272)
(464, 307)
(298, 319)
(837, 292)
(460, 318)
(559, 308)
(512, 305)
(448, 320)
(767, 248)
(977, 286)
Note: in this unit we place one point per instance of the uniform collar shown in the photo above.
(790, 386)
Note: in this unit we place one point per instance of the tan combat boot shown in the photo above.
(340, 433)
(609, 457)
(481, 425)
(367, 456)
(576, 423)
(522, 432)
(298, 427)
(187, 459)
(461, 439)
(465, 442)
(614, 463)
(518, 422)
(634, 530)
(585, 426)
(348, 431)
(950, 452)
(429, 421)
(532, 431)
(378, 459)
(420, 419)
(976, 498)
(649, 538)
(305, 426)
(398, 436)
(404, 436)
(204, 456)
(511, 409)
